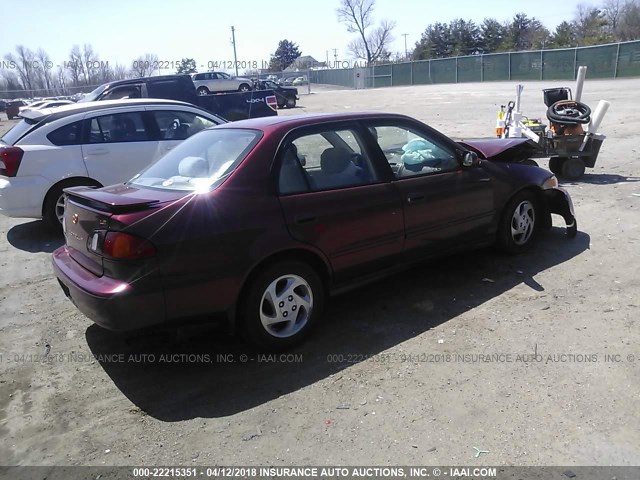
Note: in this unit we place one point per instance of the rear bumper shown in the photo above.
(22, 197)
(559, 202)
(112, 304)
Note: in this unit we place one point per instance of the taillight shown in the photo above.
(125, 246)
(272, 102)
(10, 158)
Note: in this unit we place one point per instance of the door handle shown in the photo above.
(303, 220)
(97, 151)
(415, 198)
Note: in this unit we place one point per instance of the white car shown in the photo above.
(93, 144)
(211, 82)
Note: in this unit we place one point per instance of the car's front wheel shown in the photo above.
(291, 102)
(202, 91)
(519, 224)
(244, 88)
(282, 304)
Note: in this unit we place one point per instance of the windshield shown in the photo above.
(16, 132)
(200, 163)
(93, 95)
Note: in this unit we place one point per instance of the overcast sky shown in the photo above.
(122, 30)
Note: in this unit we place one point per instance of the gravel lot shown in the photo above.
(383, 381)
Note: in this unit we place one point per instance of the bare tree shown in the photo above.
(145, 66)
(629, 26)
(612, 9)
(12, 83)
(61, 80)
(357, 15)
(24, 62)
(74, 65)
(90, 63)
(119, 72)
(44, 67)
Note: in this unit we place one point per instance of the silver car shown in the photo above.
(210, 82)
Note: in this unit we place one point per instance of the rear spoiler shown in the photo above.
(107, 202)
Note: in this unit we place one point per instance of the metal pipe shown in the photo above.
(582, 73)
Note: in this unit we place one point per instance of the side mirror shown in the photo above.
(470, 159)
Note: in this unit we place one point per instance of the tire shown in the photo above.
(519, 224)
(52, 208)
(299, 295)
(291, 103)
(203, 91)
(244, 87)
(555, 165)
(572, 168)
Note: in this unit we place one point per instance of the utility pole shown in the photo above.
(233, 40)
(406, 53)
(327, 52)
(335, 56)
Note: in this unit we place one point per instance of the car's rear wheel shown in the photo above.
(572, 168)
(282, 304)
(291, 102)
(54, 202)
(519, 224)
(203, 91)
(244, 88)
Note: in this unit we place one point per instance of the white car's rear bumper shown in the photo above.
(22, 196)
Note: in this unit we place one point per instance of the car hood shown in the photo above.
(502, 149)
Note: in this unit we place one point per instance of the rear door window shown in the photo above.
(325, 161)
(179, 125)
(67, 135)
(119, 127)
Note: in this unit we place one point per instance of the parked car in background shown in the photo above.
(287, 81)
(230, 106)
(3, 105)
(45, 104)
(285, 96)
(212, 82)
(299, 81)
(13, 108)
(262, 219)
(95, 144)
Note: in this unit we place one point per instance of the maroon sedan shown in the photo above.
(262, 219)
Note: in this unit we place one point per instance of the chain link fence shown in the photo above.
(615, 60)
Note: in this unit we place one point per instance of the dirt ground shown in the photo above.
(397, 373)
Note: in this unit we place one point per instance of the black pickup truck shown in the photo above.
(285, 96)
(230, 106)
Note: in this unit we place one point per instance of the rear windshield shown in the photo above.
(200, 163)
(12, 136)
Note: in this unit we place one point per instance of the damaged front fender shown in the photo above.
(558, 201)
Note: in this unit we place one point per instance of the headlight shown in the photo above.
(551, 182)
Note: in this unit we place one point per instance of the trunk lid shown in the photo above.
(89, 210)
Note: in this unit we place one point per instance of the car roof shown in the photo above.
(129, 81)
(34, 116)
(292, 121)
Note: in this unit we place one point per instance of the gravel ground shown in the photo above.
(504, 353)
